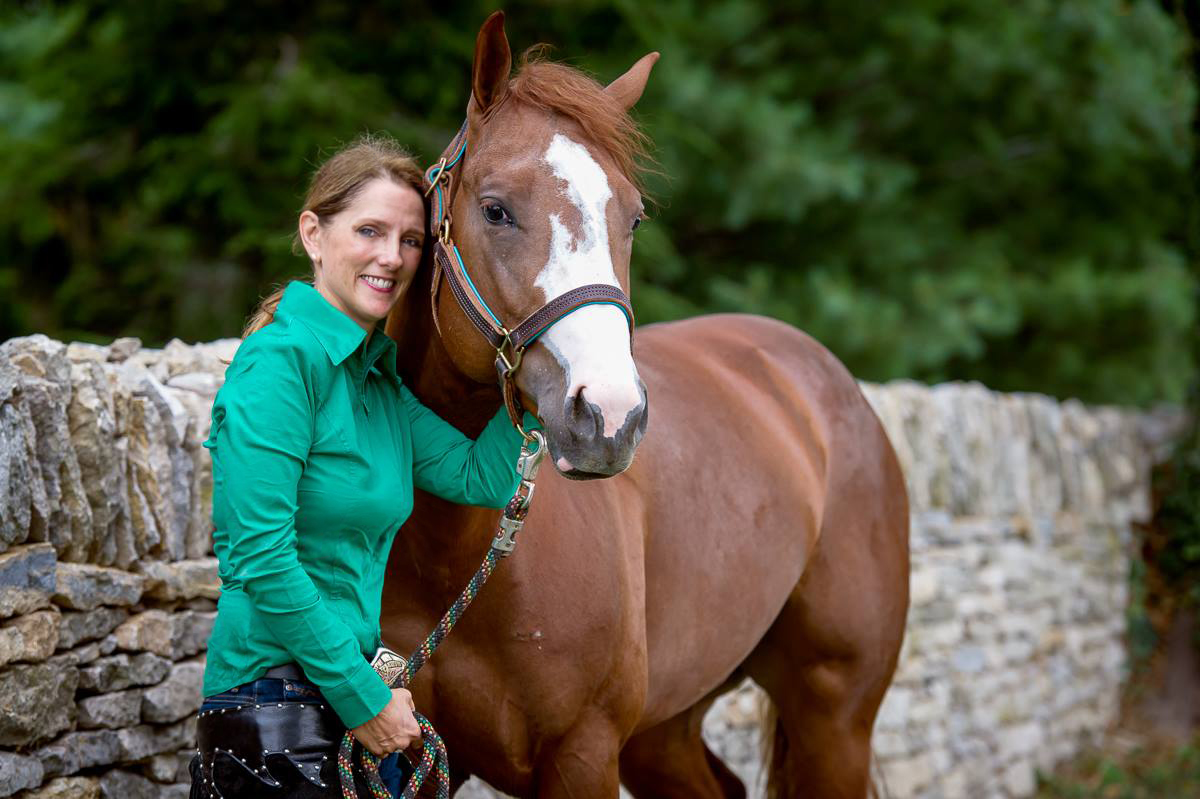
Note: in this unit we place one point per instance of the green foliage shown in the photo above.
(1149, 773)
(1179, 518)
(934, 188)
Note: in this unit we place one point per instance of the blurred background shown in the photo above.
(935, 189)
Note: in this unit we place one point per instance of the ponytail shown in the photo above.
(264, 314)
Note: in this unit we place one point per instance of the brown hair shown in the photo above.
(335, 185)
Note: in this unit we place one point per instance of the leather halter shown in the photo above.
(509, 343)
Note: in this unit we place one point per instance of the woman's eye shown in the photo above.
(495, 214)
(368, 231)
(411, 242)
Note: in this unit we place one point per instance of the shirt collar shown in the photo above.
(340, 335)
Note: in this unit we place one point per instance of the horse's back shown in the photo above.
(750, 420)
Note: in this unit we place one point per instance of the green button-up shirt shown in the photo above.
(316, 447)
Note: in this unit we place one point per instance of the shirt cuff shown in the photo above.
(361, 697)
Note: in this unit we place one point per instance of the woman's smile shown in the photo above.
(384, 285)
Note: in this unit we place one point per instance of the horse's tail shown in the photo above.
(775, 751)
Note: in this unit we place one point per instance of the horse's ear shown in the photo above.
(628, 88)
(493, 62)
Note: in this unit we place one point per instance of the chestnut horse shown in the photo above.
(761, 531)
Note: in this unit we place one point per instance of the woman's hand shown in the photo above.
(394, 729)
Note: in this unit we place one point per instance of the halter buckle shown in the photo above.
(437, 176)
(508, 366)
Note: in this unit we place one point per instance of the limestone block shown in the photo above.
(86, 352)
(27, 578)
(171, 485)
(201, 383)
(166, 767)
(185, 579)
(111, 711)
(66, 788)
(1019, 779)
(118, 784)
(908, 776)
(29, 638)
(177, 696)
(22, 495)
(121, 349)
(87, 653)
(76, 627)
(82, 586)
(45, 380)
(138, 743)
(18, 772)
(79, 750)
(171, 635)
(94, 436)
(36, 702)
(176, 791)
(118, 672)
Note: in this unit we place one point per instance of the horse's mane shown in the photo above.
(560, 89)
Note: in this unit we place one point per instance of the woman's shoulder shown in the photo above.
(277, 352)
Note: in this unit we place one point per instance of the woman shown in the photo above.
(317, 446)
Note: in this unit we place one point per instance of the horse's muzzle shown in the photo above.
(579, 446)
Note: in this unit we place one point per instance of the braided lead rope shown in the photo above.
(433, 758)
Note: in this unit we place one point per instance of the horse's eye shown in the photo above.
(495, 214)
(637, 223)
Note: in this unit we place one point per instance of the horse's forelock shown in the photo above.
(564, 90)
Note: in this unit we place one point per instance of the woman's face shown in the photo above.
(365, 256)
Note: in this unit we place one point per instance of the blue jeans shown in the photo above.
(394, 769)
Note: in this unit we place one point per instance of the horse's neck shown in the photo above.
(430, 373)
(444, 533)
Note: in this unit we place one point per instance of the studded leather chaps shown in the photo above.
(286, 749)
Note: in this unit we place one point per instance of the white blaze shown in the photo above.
(591, 344)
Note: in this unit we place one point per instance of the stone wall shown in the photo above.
(107, 584)
(1022, 511)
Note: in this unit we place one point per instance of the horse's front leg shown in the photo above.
(583, 765)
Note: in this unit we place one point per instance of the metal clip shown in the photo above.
(506, 540)
(529, 460)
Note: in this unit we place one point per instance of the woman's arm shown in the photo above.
(452, 466)
(262, 433)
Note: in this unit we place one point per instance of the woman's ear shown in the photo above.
(310, 236)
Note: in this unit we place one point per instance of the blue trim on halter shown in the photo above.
(617, 305)
(474, 290)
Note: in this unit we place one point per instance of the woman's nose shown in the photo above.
(391, 256)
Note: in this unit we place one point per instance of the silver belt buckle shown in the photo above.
(389, 665)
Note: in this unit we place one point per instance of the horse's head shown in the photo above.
(546, 201)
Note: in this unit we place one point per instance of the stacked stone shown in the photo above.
(107, 583)
(1022, 515)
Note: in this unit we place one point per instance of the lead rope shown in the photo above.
(433, 757)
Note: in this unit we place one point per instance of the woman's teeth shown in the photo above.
(381, 283)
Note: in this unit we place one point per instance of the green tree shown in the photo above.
(935, 189)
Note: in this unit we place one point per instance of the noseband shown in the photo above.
(510, 343)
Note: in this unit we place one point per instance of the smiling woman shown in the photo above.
(317, 447)
(363, 229)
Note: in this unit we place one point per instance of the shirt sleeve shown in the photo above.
(452, 466)
(263, 428)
